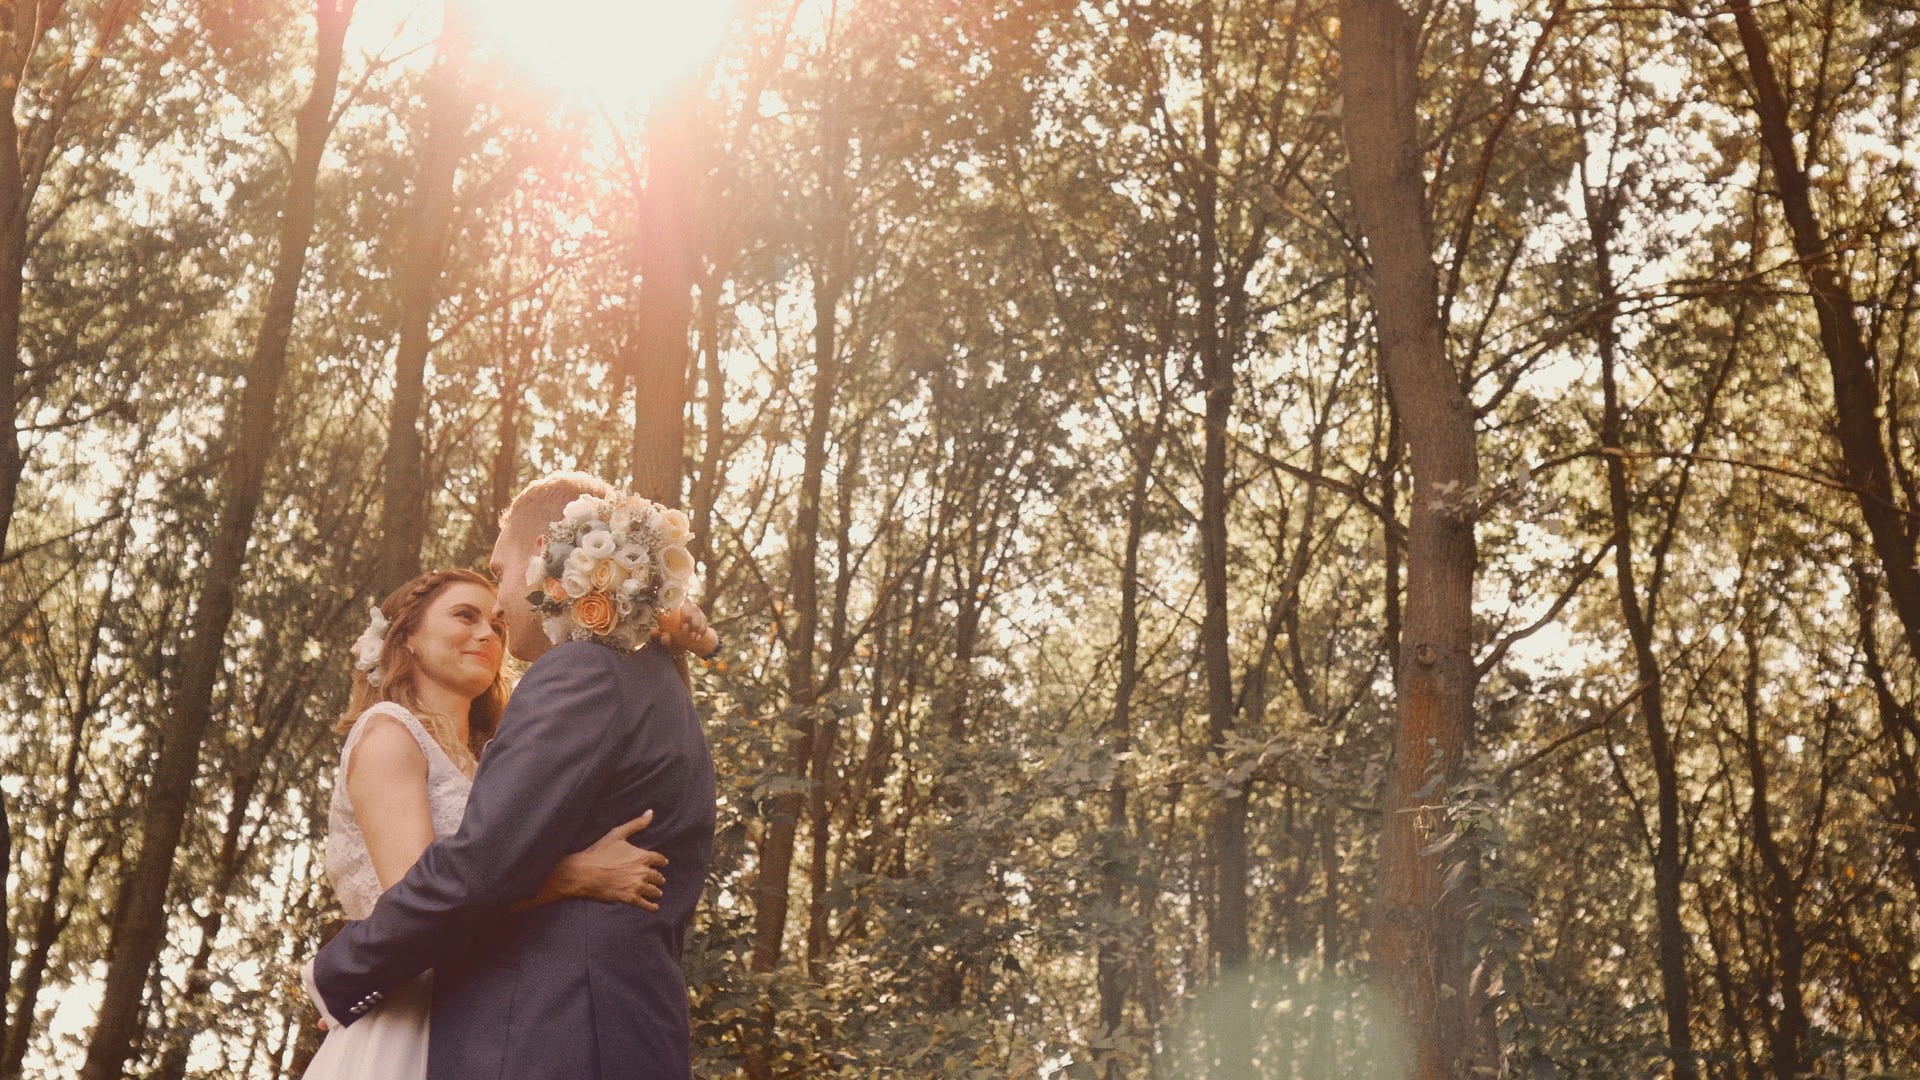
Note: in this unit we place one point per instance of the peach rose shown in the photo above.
(604, 577)
(555, 591)
(595, 614)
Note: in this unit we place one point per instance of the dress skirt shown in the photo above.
(389, 1043)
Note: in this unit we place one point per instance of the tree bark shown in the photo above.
(503, 473)
(1112, 958)
(802, 614)
(21, 171)
(1899, 726)
(139, 925)
(232, 857)
(6, 930)
(659, 365)
(1856, 394)
(14, 205)
(1228, 938)
(1788, 1027)
(50, 922)
(1418, 946)
(706, 482)
(1676, 992)
(449, 108)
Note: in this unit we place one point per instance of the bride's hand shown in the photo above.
(325, 1021)
(612, 870)
(685, 628)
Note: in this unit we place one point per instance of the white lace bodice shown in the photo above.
(349, 866)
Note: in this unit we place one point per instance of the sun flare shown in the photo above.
(616, 54)
(612, 52)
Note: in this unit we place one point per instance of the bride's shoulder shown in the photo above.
(394, 713)
(388, 731)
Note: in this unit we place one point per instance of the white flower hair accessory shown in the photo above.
(609, 568)
(367, 647)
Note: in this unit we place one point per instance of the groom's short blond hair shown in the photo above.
(541, 503)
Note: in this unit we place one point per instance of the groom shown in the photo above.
(576, 989)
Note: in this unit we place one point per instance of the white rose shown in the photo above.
(536, 571)
(607, 576)
(584, 508)
(621, 520)
(579, 562)
(677, 562)
(632, 557)
(577, 585)
(366, 651)
(599, 544)
(674, 527)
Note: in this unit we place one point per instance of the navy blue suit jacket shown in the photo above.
(575, 989)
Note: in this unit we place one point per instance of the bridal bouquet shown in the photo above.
(609, 568)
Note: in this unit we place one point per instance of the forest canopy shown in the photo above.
(1329, 539)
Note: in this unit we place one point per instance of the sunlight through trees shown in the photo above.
(1334, 539)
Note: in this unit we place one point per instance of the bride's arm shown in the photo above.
(612, 870)
(387, 784)
(685, 629)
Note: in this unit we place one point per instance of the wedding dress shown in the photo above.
(389, 1042)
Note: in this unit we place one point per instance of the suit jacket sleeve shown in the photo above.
(534, 787)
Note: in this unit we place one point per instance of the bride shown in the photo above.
(427, 695)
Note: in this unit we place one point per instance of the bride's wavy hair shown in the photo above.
(404, 608)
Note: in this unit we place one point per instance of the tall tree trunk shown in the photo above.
(706, 482)
(1899, 726)
(50, 922)
(1114, 950)
(449, 109)
(139, 925)
(659, 365)
(1857, 404)
(232, 857)
(1418, 945)
(802, 615)
(503, 473)
(14, 205)
(21, 32)
(1676, 992)
(1227, 831)
(1787, 1026)
(518, 341)
(6, 930)
(1320, 1044)
(825, 790)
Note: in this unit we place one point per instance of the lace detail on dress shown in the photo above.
(349, 866)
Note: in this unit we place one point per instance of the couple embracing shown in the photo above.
(503, 925)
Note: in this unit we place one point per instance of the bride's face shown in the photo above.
(525, 636)
(458, 642)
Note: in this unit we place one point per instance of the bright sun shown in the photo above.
(613, 53)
